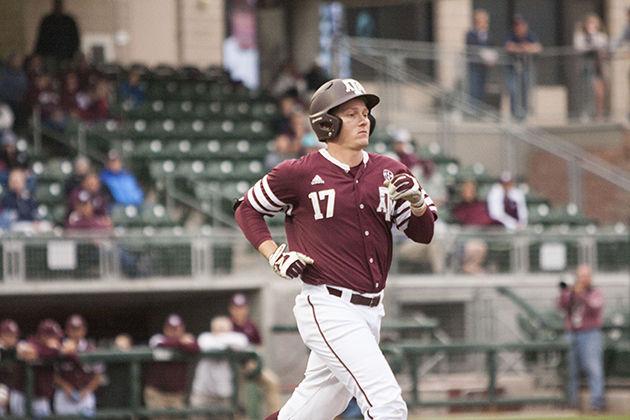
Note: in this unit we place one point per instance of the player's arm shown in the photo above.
(63, 385)
(92, 386)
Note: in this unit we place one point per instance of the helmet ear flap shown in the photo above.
(372, 122)
(326, 126)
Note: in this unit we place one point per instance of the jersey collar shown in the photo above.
(345, 167)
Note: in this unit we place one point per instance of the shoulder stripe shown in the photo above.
(272, 196)
(254, 203)
(260, 196)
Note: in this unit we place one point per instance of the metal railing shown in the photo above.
(134, 359)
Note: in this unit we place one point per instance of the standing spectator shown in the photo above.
(480, 57)
(46, 345)
(122, 184)
(166, 382)
(91, 188)
(213, 384)
(470, 211)
(522, 45)
(240, 52)
(9, 368)
(58, 38)
(592, 42)
(81, 168)
(132, 90)
(239, 314)
(506, 203)
(76, 382)
(583, 305)
(13, 87)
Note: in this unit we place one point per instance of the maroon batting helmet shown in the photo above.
(329, 96)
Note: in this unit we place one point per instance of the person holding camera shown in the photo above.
(583, 306)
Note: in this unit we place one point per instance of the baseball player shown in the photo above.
(340, 203)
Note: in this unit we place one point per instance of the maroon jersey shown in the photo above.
(78, 374)
(44, 372)
(340, 216)
(250, 330)
(169, 376)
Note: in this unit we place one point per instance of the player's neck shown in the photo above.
(344, 155)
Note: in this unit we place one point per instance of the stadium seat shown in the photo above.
(52, 170)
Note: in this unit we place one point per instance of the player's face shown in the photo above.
(355, 129)
(174, 332)
(76, 333)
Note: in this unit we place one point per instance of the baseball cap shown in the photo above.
(174, 320)
(75, 321)
(9, 326)
(239, 299)
(49, 327)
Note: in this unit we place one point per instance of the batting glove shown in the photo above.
(290, 264)
(406, 187)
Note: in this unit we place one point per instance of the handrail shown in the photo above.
(534, 137)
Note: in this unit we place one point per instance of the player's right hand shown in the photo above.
(290, 264)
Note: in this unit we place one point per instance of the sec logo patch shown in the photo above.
(388, 175)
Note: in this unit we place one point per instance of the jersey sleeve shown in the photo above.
(275, 192)
(402, 209)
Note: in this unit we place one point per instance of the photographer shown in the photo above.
(583, 307)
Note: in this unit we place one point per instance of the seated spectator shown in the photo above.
(9, 368)
(13, 87)
(91, 185)
(74, 102)
(10, 157)
(132, 91)
(287, 105)
(44, 346)
(43, 96)
(166, 382)
(19, 209)
(84, 216)
(99, 99)
(506, 203)
(470, 211)
(82, 167)
(213, 383)
(283, 150)
(242, 323)
(76, 381)
(288, 80)
(122, 184)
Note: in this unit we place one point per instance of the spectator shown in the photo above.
(240, 52)
(287, 104)
(84, 216)
(19, 209)
(213, 384)
(283, 150)
(97, 107)
(82, 167)
(123, 342)
(122, 184)
(91, 187)
(13, 87)
(43, 96)
(288, 80)
(166, 382)
(239, 315)
(10, 156)
(73, 101)
(522, 45)
(315, 77)
(9, 368)
(506, 203)
(58, 38)
(592, 42)
(46, 345)
(583, 305)
(480, 57)
(76, 382)
(404, 150)
(470, 211)
(132, 91)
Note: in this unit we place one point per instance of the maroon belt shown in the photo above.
(356, 298)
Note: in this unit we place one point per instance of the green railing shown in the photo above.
(134, 359)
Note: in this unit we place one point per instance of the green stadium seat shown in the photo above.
(49, 193)
(53, 170)
(162, 169)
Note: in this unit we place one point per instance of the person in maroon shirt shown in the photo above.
(340, 204)
(9, 368)
(84, 216)
(470, 211)
(166, 382)
(268, 381)
(76, 382)
(91, 184)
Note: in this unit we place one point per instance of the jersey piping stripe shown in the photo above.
(338, 358)
(262, 200)
(255, 205)
(403, 216)
(270, 194)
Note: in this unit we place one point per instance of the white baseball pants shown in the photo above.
(65, 405)
(345, 360)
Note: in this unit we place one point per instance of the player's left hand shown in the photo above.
(405, 187)
(289, 264)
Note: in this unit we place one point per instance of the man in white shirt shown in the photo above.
(506, 203)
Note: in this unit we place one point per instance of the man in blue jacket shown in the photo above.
(122, 184)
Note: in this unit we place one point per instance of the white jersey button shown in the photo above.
(367, 233)
(356, 181)
(361, 206)
(376, 284)
(371, 262)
